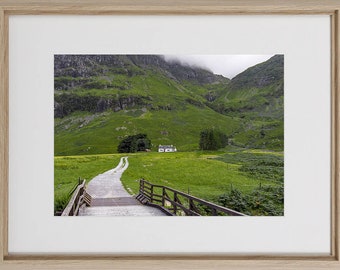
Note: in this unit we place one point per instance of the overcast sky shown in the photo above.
(227, 65)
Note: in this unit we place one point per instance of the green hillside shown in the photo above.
(81, 133)
(256, 93)
(101, 99)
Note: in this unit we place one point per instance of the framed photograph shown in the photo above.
(162, 135)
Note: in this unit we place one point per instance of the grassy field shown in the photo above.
(202, 174)
(68, 169)
(208, 175)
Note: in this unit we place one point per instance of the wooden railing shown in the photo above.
(174, 202)
(78, 198)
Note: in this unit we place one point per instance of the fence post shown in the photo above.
(163, 196)
(151, 195)
(175, 206)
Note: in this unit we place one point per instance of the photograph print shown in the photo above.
(168, 135)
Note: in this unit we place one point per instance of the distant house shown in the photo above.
(166, 148)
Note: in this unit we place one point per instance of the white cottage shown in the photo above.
(167, 148)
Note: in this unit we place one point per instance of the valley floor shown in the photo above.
(250, 180)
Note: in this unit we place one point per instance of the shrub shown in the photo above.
(262, 201)
(235, 200)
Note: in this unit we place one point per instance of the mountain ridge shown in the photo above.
(85, 66)
(114, 96)
(260, 75)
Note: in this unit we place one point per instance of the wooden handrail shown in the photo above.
(147, 195)
(77, 199)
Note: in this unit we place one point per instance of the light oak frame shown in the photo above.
(175, 7)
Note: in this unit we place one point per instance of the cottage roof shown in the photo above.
(165, 146)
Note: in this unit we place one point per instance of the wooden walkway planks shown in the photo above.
(109, 197)
(119, 201)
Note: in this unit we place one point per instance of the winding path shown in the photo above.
(109, 197)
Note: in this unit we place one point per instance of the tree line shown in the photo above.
(210, 139)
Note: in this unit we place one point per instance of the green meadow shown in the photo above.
(208, 175)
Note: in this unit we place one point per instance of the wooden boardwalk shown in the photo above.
(109, 197)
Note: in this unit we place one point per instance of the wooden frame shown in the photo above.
(144, 7)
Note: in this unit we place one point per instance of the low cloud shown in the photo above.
(227, 65)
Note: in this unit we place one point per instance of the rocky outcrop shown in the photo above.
(75, 70)
(87, 65)
(58, 110)
(65, 104)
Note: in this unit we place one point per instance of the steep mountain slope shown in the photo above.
(256, 97)
(260, 75)
(255, 93)
(100, 99)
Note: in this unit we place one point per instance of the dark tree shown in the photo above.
(211, 139)
(134, 143)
